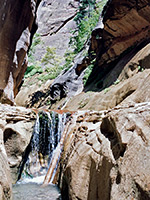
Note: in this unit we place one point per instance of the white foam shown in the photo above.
(37, 180)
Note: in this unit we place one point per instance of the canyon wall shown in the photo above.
(16, 22)
(106, 155)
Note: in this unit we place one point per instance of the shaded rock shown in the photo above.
(111, 96)
(127, 83)
(16, 20)
(118, 36)
(33, 95)
(108, 158)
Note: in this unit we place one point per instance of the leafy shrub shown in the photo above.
(50, 57)
(87, 73)
(32, 70)
(85, 8)
(86, 25)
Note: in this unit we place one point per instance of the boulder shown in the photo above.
(106, 155)
(16, 133)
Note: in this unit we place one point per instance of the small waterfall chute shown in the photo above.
(46, 145)
(55, 158)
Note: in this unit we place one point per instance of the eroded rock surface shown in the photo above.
(5, 177)
(127, 83)
(55, 22)
(16, 131)
(126, 26)
(16, 20)
(106, 155)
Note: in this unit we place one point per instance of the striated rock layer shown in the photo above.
(106, 155)
(126, 27)
(16, 20)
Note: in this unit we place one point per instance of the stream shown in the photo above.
(44, 149)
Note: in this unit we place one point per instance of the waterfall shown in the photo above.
(45, 144)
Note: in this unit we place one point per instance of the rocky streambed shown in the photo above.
(106, 154)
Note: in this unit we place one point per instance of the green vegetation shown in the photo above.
(49, 67)
(35, 66)
(116, 82)
(50, 57)
(87, 73)
(140, 69)
(32, 70)
(86, 21)
(106, 90)
(85, 8)
(51, 71)
(69, 59)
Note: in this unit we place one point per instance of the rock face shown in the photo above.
(107, 155)
(5, 185)
(16, 131)
(55, 21)
(16, 20)
(126, 26)
(120, 77)
(122, 50)
(5, 177)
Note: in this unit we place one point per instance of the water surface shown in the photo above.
(34, 191)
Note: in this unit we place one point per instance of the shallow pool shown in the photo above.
(33, 191)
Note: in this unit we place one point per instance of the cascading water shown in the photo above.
(46, 142)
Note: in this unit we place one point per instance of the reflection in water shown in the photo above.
(33, 191)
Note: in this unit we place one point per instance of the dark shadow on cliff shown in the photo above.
(99, 77)
(100, 181)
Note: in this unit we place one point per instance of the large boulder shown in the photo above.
(106, 155)
(16, 20)
(15, 134)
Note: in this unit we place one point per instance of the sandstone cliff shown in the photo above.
(107, 155)
(16, 20)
